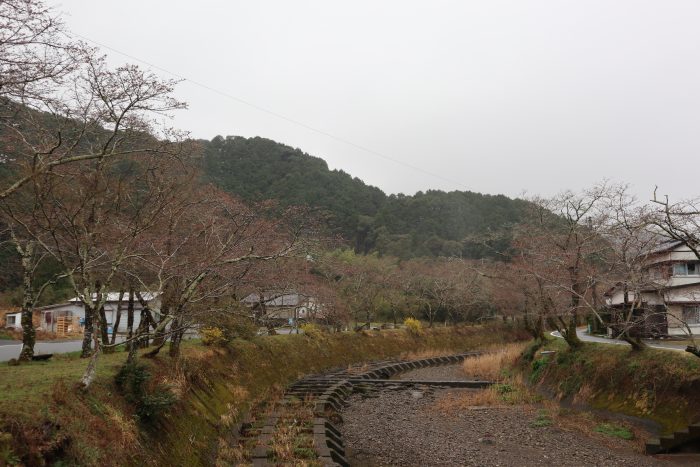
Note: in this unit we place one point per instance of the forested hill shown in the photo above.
(259, 168)
(434, 223)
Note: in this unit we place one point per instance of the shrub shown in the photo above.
(132, 379)
(413, 326)
(538, 367)
(312, 331)
(7, 457)
(242, 328)
(529, 353)
(213, 336)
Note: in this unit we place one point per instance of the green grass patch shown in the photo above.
(542, 420)
(615, 431)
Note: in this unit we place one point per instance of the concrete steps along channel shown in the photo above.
(326, 393)
(669, 443)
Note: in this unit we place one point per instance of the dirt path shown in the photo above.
(410, 428)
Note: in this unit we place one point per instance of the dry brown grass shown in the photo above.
(428, 353)
(465, 400)
(232, 413)
(491, 364)
(507, 393)
(292, 442)
(176, 381)
(229, 454)
(494, 365)
(125, 428)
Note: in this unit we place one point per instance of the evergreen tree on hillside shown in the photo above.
(434, 223)
(259, 168)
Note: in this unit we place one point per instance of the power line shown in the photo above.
(271, 112)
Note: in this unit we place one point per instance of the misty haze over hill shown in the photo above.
(434, 223)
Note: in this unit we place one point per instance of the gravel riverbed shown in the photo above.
(435, 373)
(406, 428)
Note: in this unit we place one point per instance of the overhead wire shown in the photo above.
(271, 112)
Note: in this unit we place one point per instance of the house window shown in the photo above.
(691, 314)
(11, 320)
(686, 269)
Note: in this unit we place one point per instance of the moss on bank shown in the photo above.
(660, 385)
(51, 420)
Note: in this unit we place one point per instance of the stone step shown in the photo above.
(412, 383)
(653, 446)
(666, 443)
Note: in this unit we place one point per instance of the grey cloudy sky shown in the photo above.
(495, 96)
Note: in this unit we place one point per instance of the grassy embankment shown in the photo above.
(45, 417)
(660, 385)
(563, 387)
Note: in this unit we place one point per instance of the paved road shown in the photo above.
(11, 349)
(584, 336)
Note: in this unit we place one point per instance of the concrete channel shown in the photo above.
(328, 393)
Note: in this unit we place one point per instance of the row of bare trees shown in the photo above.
(95, 182)
(368, 288)
(574, 248)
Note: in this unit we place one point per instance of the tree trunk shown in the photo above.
(144, 334)
(693, 349)
(91, 370)
(535, 327)
(118, 318)
(155, 351)
(635, 342)
(89, 330)
(570, 335)
(159, 334)
(28, 332)
(28, 335)
(104, 332)
(132, 346)
(175, 339)
(130, 320)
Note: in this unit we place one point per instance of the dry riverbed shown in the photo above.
(418, 428)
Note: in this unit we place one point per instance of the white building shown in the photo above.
(674, 288)
(74, 311)
(13, 321)
(283, 306)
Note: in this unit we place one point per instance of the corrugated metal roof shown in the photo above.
(291, 299)
(114, 297)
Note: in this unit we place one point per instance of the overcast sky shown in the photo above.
(491, 96)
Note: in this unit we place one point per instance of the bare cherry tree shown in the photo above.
(205, 251)
(628, 230)
(35, 53)
(680, 221)
(32, 257)
(561, 247)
